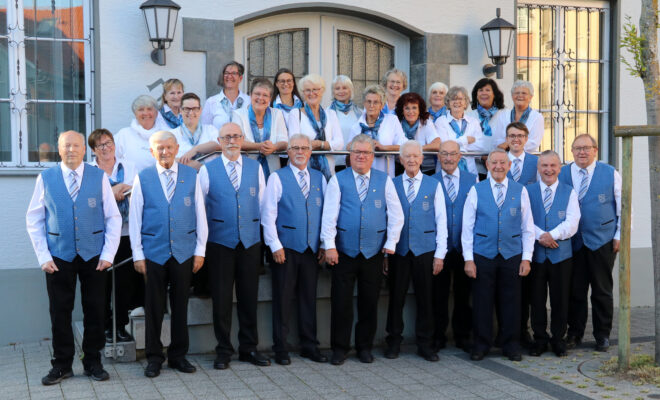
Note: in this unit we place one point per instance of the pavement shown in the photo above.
(22, 366)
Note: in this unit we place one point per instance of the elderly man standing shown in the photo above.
(167, 226)
(291, 217)
(556, 214)
(234, 186)
(75, 225)
(498, 241)
(596, 243)
(420, 252)
(362, 219)
(456, 185)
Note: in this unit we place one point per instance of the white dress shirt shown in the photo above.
(132, 144)
(535, 124)
(457, 179)
(278, 132)
(470, 215)
(137, 205)
(204, 177)
(129, 176)
(513, 159)
(214, 114)
(209, 133)
(577, 182)
(346, 122)
(331, 212)
(473, 128)
(271, 199)
(36, 217)
(299, 123)
(440, 212)
(569, 226)
(390, 133)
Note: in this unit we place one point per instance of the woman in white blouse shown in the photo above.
(264, 127)
(192, 135)
(487, 106)
(385, 129)
(285, 94)
(320, 125)
(395, 81)
(522, 93)
(170, 100)
(462, 128)
(416, 125)
(347, 112)
(436, 95)
(218, 109)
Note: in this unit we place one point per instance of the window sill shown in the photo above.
(21, 171)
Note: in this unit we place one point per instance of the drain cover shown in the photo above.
(654, 396)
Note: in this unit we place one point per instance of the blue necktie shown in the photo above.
(515, 173)
(74, 188)
(233, 174)
(411, 190)
(547, 199)
(170, 185)
(303, 184)
(451, 189)
(500, 195)
(584, 185)
(362, 190)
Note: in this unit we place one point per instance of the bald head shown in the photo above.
(449, 156)
(231, 140)
(71, 147)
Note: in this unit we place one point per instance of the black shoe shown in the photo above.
(572, 342)
(428, 355)
(392, 352)
(152, 370)
(602, 345)
(513, 356)
(97, 373)
(526, 340)
(314, 355)
(56, 375)
(182, 365)
(108, 335)
(338, 357)
(123, 336)
(365, 356)
(537, 349)
(255, 358)
(221, 362)
(559, 348)
(282, 358)
(477, 355)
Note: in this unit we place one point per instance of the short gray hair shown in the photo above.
(161, 135)
(410, 143)
(524, 84)
(343, 79)
(361, 138)
(144, 100)
(454, 90)
(494, 151)
(437, 86)
(374, 89)
(297, 136)
(404, 77)
(549, 153)
(593, 141)
(314, 79)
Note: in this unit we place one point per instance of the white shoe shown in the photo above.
(138, 312)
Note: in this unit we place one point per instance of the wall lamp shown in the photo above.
(160, 17)
(498, 34)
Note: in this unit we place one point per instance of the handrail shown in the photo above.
(112, 268)
(346, 153)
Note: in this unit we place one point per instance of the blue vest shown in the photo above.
(529, 170)
(455, 210)
(74, 227)
(419, 222)
(361, 226)
(169, 229)
(233, 216)
(497, 231)
(549, 221)
(298, 230)
(598, 221)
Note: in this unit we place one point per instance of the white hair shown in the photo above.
(437, 86)
(410, 143)
(297, 136)
(343, 79)
(361, 138)
(159, 136)
(495, 151)
(144, 101)
(374, 89)
(524, 84)
(404, 77)
(314, 79)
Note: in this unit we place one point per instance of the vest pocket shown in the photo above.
(53, 233)
(341, 229)
(193, 231)
(147, 234)
(94, 233)
(515, 236)
(217, 220)
(288, 227)
(481, 235)
(605, 223)
(255, 220)
(429, 231)
(380, 231)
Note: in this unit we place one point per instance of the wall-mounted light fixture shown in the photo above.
(498, 35)
(160, 17)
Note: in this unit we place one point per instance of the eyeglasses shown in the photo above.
(285, 81)
(187, 110)
(582, 148)
(315, 91)
(370, 103)
(101, 146)
(516, 136)
(457, 99)
(362, 153)
(299, 148)
(232, 73)
(229, 138)
(521, 93)
(452, 154)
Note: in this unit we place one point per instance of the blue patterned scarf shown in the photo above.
(439, 113)
(372, 130)
(319, 162)
(462, 164)
(410, 131)
(345, 108)
(257, 136)
(172, 120)
(484, 118)
(193, 138)
(284, 107)
(122, 205)
(523, 117)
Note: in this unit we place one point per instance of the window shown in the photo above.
(353, 52)
(45, 77)
(275, 50)
(563, 51)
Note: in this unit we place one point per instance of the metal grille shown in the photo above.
(363, 58)
(563, 51)
(272, 51)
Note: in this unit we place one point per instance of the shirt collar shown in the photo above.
(79, 170)
(417, 177)
(355, 174)
(552, 187)
(226, 161)
(505, 182)
(456, 174)
(590, 168)
(521, 157)
(296, 169)
(166, 108)
(174, 168)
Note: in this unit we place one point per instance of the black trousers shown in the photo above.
(295, 278)
(592, 268)
(369, 274)
(129, 283)
(226, 266)
(498, 281)
(401, 270)
(178, 277)
(557, 279)
(61, 286)
(461, 317)
(526, 288)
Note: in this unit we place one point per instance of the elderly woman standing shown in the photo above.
(460, 127)
(170, 110)
(347, 112)
(285, 97)
(193, 136)
(436, 96)
(218, 109)
(384, 128)
(132, 142)
(395, 81)
(521, 93)
(129, 283)
(264, 127)
(411, 111)
(320, 125)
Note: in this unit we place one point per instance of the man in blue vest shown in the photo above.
(167, 226)
(420, 252)
(556, 214)
(498, 241)
(291, 218)
(75, 226)
(362, 220)
(456, 184)
(234, 186)
(595, 244)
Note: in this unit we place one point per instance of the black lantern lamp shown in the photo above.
(498, 35)
(160, 17)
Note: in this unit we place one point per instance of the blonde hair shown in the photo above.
(404, 77)
(167, 85)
